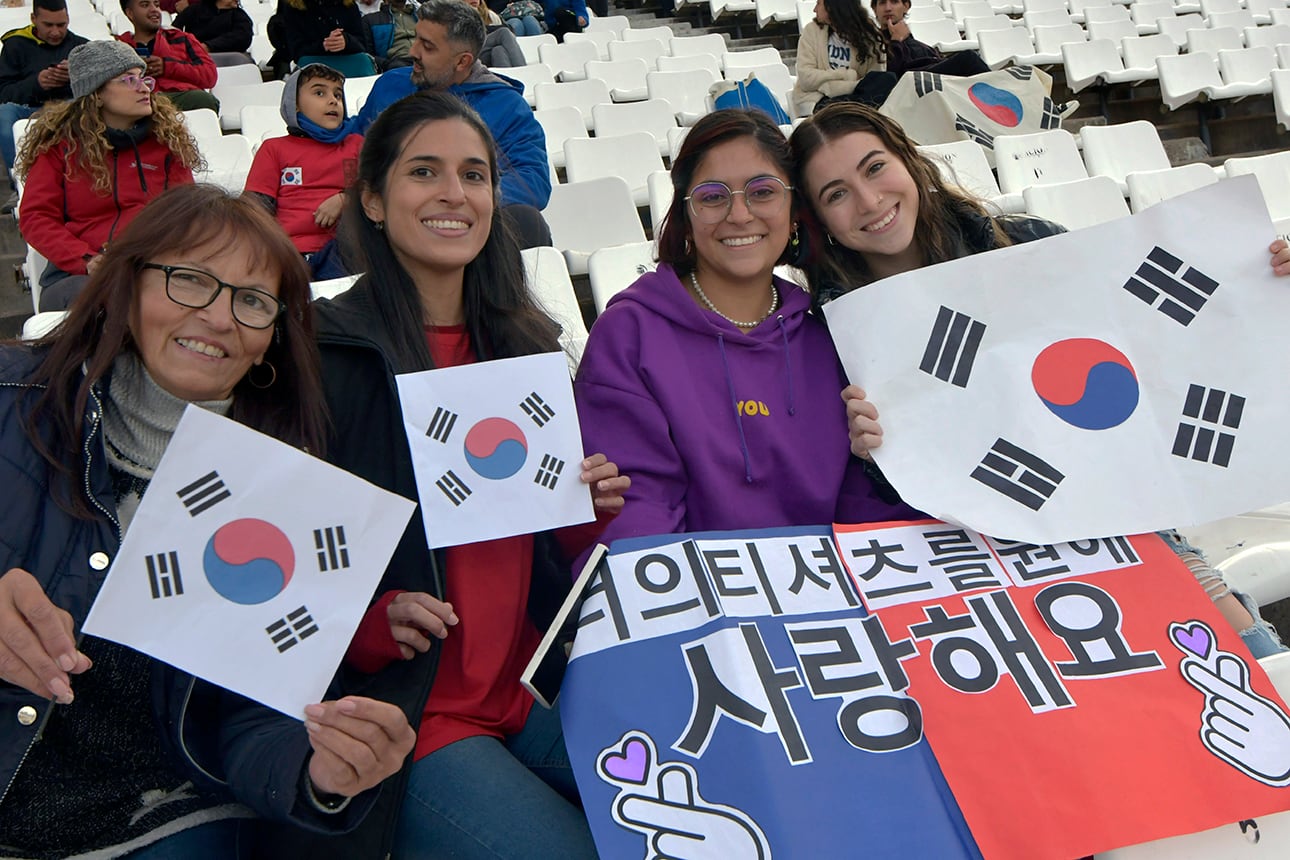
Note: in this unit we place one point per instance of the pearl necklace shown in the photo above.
(774, 304)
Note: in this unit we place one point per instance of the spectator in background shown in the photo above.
(841, 54)
(177, 61)
(524, 17)
(565, 16)
(33, 68)
(907, 54)
(222, 26)
(90, 164)
(388, 33)
(313, 28)
(500, 48)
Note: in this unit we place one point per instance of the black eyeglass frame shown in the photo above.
(234, 290)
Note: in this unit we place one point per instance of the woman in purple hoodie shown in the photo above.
(708, 380)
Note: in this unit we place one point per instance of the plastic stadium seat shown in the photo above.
(942, 34)
(1042, 158)
(1245, 72)
(1213, 41)
(228, 161)
(1179, 26)
(1237, 20)
(616, 24)
(613, 270)
(974, 26)
(1259, 37)
(963, 163)
(777, 79)
(1140, 54)
(1113, 30)
(1147, 13)
(1089, 62)
(1080, 8)
(548, 278)
(659, 186)
(559, 124)
(530, 76)
(685, 46)
(1118, 150)
(637, 34)
(203, 124)
(964, 9)
(648, 50)
(732, 61)
(1106, 14)
(587, 216)
(237, 76)
(1049, 41)
(1186, 77)
(1262, 9)
(625, 78)
(580, 94)
(357, 90)
(260, 122)
(675, 137)
(569, 60)
(1209, 8)
(1078, 204)
(631, 157)
(1273, 173)
(599, 38)
(1000, 48)
(687, 92)
(232, 99)
(653, 116)
(529, 45)
(1046, 18)
(1148, 188)
(783, 11)
(1045, 6)
(706, 62)
(1281, 97)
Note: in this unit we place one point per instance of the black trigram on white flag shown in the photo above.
(927, 82)
(1018, 474)
(1210, 433)
(163, 575)
(290, 630)
(1171, 286)
(952, 347)
(453, 487)
(548, 473)
(984, 138)
(537, 409)
(441, 424)
(204, 493)
(333, 552)
(1051, 117)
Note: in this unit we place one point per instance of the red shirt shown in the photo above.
(299, 173)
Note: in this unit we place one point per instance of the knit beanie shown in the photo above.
(93, 64)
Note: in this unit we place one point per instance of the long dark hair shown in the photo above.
(502, 317)
(714, 129)
(940, 205)
(849, 20)
(96, 330)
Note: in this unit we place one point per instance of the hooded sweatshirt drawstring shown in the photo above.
(788, 364)
(734, 404)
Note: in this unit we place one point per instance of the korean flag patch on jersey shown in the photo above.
(292, 176)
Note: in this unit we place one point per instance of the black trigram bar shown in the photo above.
(1021, 73)
(453, 487)
(969, 128)
(927, 82)
(548, 472)
(163, 575)
(441, 424)
(204, 493)
(1018, 474)
(333, 554)
(1212, 444)
(290, 631)
(1050, 118)
(952, 348)
(1180, 296)
(537, 409)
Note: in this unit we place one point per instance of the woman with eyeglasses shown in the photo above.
(90, 164)
(708, 381)
(104, 751)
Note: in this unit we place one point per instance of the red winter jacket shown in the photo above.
(65, 219)
(187, 65)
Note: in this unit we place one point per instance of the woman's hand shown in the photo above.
(412, 615)
(335, 41)
(357, 743)
(607, 486)
(1280, 250)
(93, 263)
(329, 210)
(37, 642)
(862, 422)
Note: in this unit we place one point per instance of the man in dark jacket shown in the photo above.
(33, 68)
(389, 32)
(183, 69)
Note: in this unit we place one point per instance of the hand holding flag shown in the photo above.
(357, 743)
(37, 642)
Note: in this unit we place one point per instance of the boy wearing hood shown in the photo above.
(301, 177)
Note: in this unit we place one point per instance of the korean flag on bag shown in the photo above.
(248, 563)
(496, 448)
(1119, 379)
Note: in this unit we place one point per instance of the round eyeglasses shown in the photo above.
(764, 196)
(194, 288)
(135, 82)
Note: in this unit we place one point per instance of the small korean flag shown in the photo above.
(496, 448)
(1119, 379)
(291, 176)
(249, 563)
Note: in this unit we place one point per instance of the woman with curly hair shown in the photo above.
(837, 52)
(89, 165)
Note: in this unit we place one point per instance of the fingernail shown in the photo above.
(67, 662)
(314, 711)
(452, 619)
(347, 706)
(311, 726)
(62, 692)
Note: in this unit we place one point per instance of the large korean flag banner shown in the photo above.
(1123, 378)
(248, 563)
(496, 448)
(1079, 697)
(911, 690)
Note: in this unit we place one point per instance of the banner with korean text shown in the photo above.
(913, 690)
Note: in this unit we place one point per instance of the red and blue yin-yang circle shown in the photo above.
(496, 448)
(998, 105)
(248, 561)
(1087, 383)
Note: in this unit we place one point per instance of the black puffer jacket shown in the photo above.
(220, 30)
(23, 58)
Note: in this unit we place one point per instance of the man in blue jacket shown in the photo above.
(449, 37)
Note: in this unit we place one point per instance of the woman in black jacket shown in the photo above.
(311, 28)
(220, 25)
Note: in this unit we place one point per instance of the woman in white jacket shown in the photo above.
(836, 51)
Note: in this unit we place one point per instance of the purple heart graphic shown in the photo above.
(1195, 638)
(631, 765)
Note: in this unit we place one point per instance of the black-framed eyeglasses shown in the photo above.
(764, 196)
(194, 288)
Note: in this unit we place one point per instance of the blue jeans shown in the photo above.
(217, 840)
(526, 26)
(9, 114)
(487, 798)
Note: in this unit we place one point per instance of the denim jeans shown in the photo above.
(487, 798)
(217, 840)
(525, 26)
(9, 114)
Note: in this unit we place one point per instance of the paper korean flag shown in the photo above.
(1123, 378)
(248, 563)
(496, 448)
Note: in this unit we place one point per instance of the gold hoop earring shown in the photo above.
(273, 375)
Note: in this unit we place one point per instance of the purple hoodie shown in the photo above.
(718, 427)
